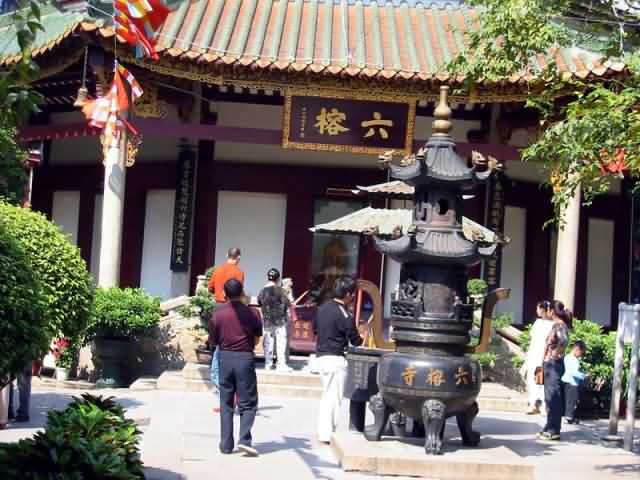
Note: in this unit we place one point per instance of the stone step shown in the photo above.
(144, 383)
(174, 380)
(300, 379)
(72, 384)
(300, 384)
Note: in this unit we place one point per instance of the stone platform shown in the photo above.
(406, 457)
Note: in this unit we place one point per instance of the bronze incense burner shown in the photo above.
(429, 377)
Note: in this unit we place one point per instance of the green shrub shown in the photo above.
(502, 321)
(208, 273)
(477, 286)
(122, 313)
(485, 359)
(600, 356)
(525, 338)
(23, 332)
(66, 285)
(517, 361)
(90, 439)
(202, 305)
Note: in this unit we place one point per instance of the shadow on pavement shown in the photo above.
(152, 473)
(304, 449)
(42, 402)
(620, 469)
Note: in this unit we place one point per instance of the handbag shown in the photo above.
(538, 375)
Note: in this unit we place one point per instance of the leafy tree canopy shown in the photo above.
(17, 101)
(590, 129)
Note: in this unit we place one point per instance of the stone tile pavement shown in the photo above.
(181, 432)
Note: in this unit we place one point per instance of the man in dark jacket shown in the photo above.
(335, 328)
(235, 329)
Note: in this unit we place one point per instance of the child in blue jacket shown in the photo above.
(572, 380)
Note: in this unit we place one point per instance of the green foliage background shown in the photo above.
(66, 285)
(17, 102)
(23, 325)
(583, 121)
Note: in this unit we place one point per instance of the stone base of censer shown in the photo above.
(395, 456)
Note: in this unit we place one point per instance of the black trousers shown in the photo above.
(237, 375)
(571, 394)
(553, 395)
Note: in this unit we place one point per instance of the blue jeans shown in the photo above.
(214, 372)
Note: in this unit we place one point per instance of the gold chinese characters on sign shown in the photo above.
(345, 123)
(463, 376)
(409, 375)
(435, 377)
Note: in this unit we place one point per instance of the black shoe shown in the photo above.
(22, 418)
(12, 415)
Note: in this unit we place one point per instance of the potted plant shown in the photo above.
(201, 305)
(119, 318)
(64, 351)
(477, 290)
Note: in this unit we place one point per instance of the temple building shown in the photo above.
(262, 118)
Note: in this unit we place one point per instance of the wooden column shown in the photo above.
(205, 206)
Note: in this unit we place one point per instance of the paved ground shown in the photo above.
(181, 435)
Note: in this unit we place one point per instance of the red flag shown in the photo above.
(137, 22)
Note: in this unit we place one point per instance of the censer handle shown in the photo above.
(372, 290)
(489, 304)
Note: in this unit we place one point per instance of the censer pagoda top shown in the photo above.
(438, 176)
(437, 163)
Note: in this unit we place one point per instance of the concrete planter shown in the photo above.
(113, 357)
(62, 374)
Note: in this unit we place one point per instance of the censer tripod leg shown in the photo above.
(381, 412)
(434, 416)
(470, 438)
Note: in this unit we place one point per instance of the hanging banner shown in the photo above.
(495, 222)
(182, 212)
(341, 123)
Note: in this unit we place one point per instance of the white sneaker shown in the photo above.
(284, 368)
(248, 450)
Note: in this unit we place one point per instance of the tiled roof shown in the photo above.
(366, 219)
(58, 26)
(393, 189)
(354, 38)
(347, 38)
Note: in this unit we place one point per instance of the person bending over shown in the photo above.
(335, 328)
